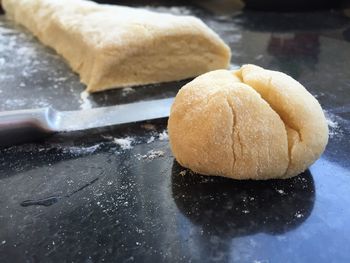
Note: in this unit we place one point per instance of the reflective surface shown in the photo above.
(80, 197)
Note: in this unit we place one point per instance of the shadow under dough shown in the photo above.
(232, 208)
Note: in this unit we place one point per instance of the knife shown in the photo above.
(22, 126)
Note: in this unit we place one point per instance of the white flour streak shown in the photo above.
(126, 91)
(333, 125)
(81, 150)
(163, 136)
(150, 139)
(124, 143)
(85, 102)
(150, 155)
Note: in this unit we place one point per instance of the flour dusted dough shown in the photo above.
(115, 46)
(247, 124)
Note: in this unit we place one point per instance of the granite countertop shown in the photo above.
(83, 197)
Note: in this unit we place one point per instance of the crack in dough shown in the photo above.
(238, 74)
(232, 134)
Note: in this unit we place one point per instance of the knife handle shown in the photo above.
(23, 126)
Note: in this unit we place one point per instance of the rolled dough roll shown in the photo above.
(115, 46)
(247, 124)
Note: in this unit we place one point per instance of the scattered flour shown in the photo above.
(12, 104)
(85, 102)
(151, 155)
(150, 139)
(75, 150)
(298, 215)
(126, 91)
(27, 51)
(280, 191)
(163, 136)
(333, 125)
(124, 143)
(61, 79)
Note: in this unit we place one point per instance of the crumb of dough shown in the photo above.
(183, 173)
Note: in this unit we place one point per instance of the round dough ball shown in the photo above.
(246, 124)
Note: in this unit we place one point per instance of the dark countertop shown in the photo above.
(93, 201)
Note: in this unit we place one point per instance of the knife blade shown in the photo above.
(29, 125)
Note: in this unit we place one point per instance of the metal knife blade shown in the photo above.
(106, 116)
(28, 125)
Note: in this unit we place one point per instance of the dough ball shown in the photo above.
(246, 124)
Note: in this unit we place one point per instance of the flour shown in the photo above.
(24, 54)
(280, 191)
(150, 139)
(298, 215)
(85, 102)
(124, 143)
(13, 104)
(333, 125)
(163, 136)
(151, 155)
(126, 91)
(75, 150)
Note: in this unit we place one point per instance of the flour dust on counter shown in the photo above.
(151, 139)
(126, 91)
(29, 68)
(85, 101)
(163, 136)
(124, 143)
(81, 150)
(150, 155)
(333, 121)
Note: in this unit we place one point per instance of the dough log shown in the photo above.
(115, 46)
(247, 124)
